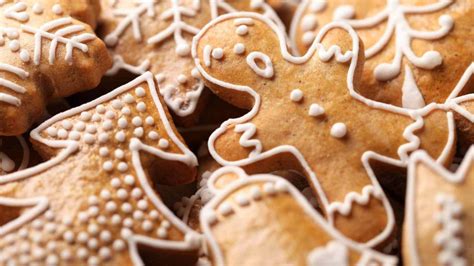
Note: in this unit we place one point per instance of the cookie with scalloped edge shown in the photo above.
(263, 219)
(93, 200)
(411, 47)
(306, 115)
(439, 212)
(161, 32)
(44, 54)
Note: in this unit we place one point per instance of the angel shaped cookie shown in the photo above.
(44, 54)
(156, 36)
(416, 51)
(305, 114)
(264, 220)
(439, 213)
(93, 202)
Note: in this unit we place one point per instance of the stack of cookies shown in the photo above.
(236, 132)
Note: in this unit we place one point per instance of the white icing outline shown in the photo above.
(244, 180)
(19, 72)
(454, 178)
(175, 29)
(136, 146)
(403, 151)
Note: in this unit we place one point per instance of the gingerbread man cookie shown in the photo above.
(264, 220)
(156, 36)
(439, 213)
(305, 114)
(416, 51)
(93, 201)
(44, 54)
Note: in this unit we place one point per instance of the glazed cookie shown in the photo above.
(416, 51)
(93, 201)
(264, 220)
(44, 54)
(306, 115)
(439, 213)
(156, 36)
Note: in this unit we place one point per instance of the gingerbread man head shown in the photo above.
(306, 114)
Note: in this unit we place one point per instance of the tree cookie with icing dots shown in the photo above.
(264, 220)
(44, 54)
(93, 201)
(156, 36)
(439, 213)
(306, 115)
(416, 51)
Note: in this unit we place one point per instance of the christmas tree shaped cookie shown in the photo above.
(305, 114)
(93, 201)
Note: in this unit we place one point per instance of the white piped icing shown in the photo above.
(296, 95)
(266, 72)
(315, 110)
(339, 130)
(239, 48)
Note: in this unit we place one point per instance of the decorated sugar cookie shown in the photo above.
(264, 220)
(306, 115)
(416, 51)
(93, 202)
(44, 54)
(439, 213)
(156, 36)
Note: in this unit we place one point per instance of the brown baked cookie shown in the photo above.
(156, 36)
(264, 220)
(439, 213)
(306, 115)
(417, 51)
(93, 201)
(285, 9)
(44, 54)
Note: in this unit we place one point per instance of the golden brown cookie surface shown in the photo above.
(306, 115)
(93, 201)
(44, 54)
(263, 219)
(417, 51)
(439, 213)
(156, 36)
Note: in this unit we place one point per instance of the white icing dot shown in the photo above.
(93, 211)
(140, 92)
(162, 233)
(150, 121)
(105, 253)
(217, 53)
(57, 9)
(195, 73)
(242, 30)
(120, 136)
(115, 182)
(93, 229)
(128, 98)
(117, 104)
(116, 219)
(242, 200)
(137, 193)
(103, 137)
(153, 135)
(100, 109)
(110, 114)
(154, 215)
(269, 189)
(239, 48)
(338, 130)
(24, 56)
(126, 111)
(82, 237)
(105, 236)
(74, 135)
(83, 217)
(122, 123)
(110, 206)
(296, 95)
(142, 205)
(225, 209)
(68, 236)
(163, 143)
(127, 207)
(85, 116)
(119, 245)
(129, 180)
(138, 132)
(105, 194)
(141, 106)
(62, 133)
(66, 124)
(344, 12)
(309, 22)
(182, 79)
(89, 139)
(281, 186)
(147, 226)
(91, 129)
(122, 194)
(119, 154)
(52, 132)
(137, 121)
(107, 125)
(14, 45)
(37, 9)
(315, 110)
(93, 200)
(183, 49)
(308, 37)
(122, 167)
(101, 220)
(128, 222)
(82, 253)
(108, 166)
(103, 151)
(80, 126)
(138, 215)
